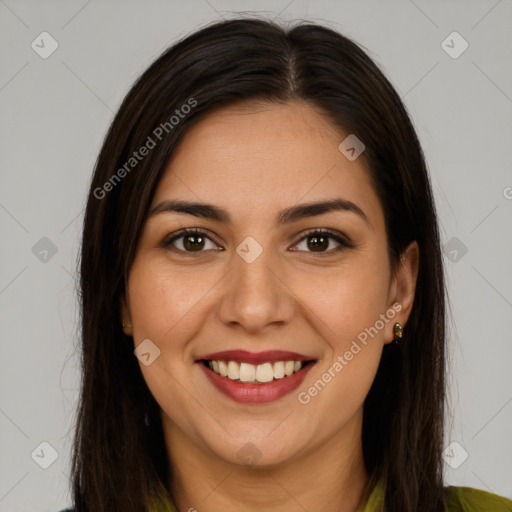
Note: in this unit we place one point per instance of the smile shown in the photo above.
(250, 373)
(256, 377)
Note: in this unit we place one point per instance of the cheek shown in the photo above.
(347, 300)
(164, 303)
(162, 310)
(348, 306)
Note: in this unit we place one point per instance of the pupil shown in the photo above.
(318, 241)
(198, 245)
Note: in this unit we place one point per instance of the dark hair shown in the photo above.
(119, 457)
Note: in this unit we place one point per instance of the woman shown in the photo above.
(262, 290)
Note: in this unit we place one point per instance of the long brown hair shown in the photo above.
(119, 456)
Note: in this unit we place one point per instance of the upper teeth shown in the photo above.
(246, 372)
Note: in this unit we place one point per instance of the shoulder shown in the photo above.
(468, 499)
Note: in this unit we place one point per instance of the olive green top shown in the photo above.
(460, 499)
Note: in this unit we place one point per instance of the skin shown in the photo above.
(255, 160)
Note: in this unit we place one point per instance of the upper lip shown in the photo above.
(243, 356)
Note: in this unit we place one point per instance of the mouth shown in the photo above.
(256, 377)
(255, 374)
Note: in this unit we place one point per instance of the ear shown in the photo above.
(125, 316)
(403, 287)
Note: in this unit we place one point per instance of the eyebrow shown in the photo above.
(286, 216)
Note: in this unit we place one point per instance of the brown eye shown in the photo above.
(189, 241)
(194, 240)
(318, 241)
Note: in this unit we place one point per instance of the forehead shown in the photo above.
(260, 158)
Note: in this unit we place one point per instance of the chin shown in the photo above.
(257, 452)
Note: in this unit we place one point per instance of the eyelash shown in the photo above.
(344, 243)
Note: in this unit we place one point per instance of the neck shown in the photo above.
(331, 478)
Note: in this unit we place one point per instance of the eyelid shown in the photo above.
(339, 237)
(343, 240)
(169, 239)
(331, 232)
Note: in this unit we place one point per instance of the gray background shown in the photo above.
(55, 112)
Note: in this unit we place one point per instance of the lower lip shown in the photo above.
(256, 393)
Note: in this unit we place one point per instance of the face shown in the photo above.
(260, 293)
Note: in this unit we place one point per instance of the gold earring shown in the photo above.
(399, 332)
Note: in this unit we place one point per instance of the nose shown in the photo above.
(256, 296)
